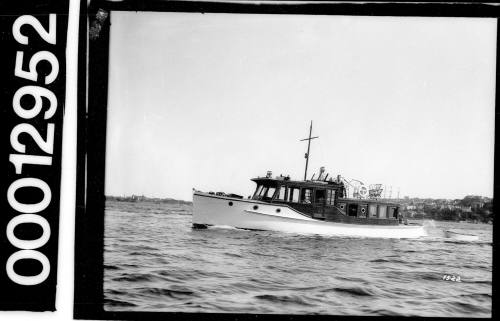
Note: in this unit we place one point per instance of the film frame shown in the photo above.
(89, 298)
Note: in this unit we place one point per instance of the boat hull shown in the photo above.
(255, 215)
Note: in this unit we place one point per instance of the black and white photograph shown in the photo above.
(248, 159)
(299, 164)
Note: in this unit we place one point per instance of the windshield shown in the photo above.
(264, 192)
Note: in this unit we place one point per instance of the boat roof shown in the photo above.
(282, 180)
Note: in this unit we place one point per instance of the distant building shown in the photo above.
(466, 209)
(475, 205)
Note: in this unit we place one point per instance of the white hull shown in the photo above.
(215, 210)
(460, 236)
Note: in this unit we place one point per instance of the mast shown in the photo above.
(308, 147)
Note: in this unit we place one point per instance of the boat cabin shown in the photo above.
(325, 200)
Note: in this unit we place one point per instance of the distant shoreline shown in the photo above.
(136, 199)
(415, 220)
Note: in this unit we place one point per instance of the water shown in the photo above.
(154, 261)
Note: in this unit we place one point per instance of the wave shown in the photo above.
(384, 312)
(114, 292)
(429, 276)
(356, 291)
(487, 282)
(133, 278)
(117, 303)
(293, 299)
(468, 308)
(388, 261)
(177, 294)
(477, 295)
(233, 255)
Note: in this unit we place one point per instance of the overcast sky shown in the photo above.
(211, 100)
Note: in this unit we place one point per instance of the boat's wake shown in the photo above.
(429, 224)
(438, 235)
(444, 239)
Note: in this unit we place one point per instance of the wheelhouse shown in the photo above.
(325, 200)
(287, 191)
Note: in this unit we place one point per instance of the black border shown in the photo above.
(89, 230)
(41, 296)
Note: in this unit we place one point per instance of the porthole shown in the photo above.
(342, 206)
(255, 207)
(230, 203)
(363, 210)
(278, 210)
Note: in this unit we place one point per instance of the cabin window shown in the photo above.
(270, 192)
(391, 212)
(305, 195)
(320, 196)
(293, 195)
(258, 191)
(382, 211)
(372, 210)
(264, 192)
(353, 210)
(330, 197)
(282, 193)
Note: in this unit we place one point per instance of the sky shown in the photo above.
(208, 101)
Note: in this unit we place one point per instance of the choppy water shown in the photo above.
(154, 261)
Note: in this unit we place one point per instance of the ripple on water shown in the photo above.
(287, 299)
(173, 293)
(355, 291)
